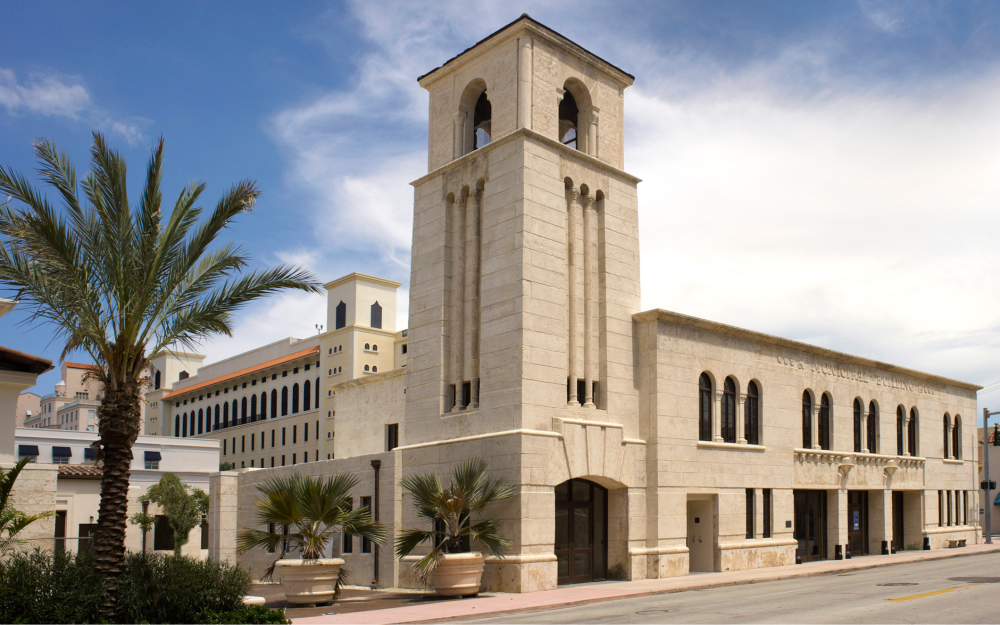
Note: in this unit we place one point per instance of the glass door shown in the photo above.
(580, 541)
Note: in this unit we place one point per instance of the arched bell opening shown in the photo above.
(482, 122)
(581, 536)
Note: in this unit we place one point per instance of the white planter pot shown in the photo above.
(458, 574)
(309, 581)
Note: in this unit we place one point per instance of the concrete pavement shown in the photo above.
(567, 596)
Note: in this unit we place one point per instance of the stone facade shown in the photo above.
(675, 444)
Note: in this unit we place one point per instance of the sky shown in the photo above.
(822, 171)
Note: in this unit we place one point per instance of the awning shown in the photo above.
(89, 453)
(152, 455)
(27, 450)
(62, 452)
(996, 502)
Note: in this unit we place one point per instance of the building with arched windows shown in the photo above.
(642, 444)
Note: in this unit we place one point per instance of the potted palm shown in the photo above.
(450, 566)
(304, 513)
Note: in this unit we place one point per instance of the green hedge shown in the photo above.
(153, 588)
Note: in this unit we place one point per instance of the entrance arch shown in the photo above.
(581, 544)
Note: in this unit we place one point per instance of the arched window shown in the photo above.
(873, 429)
(823, 423)
(243, 410)
(482, 123)
(216, 416)
(263, 405)
(183, 375)
(368, 346)
(568, 115)
(191, 428)
(911, 433)
(956, 438)
(235, 412)
(751, 415)
(177, 426)
(946, 437)
(274, 403)
(284, 400)
(253, 407)
(341, 315)
(900, 429)
(184, 425)
(374, 369)
(367, 368)
(807, 407)
(306, 394)
(374, 348)
(225, 415)
(729, 411)
(316, 390)
(376, 315)
(857, 425)
(156, 381)
(201, 420)
(295, 398)
(704, 408)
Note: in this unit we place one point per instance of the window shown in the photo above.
(152, 465)
(956, 438)
(965, 507)
(204, 531)
(911, 433)
(767, 512)
(368, 347)
(341, 315)
(857, 425)
(305, 433)
(750, 513)
(163, 534)
(391, 436)
(948, 494)
(183, 375)
(177, 426)
(253, 445)
(872, 427)
(317, 432)
(253, 408)
(263, 405)
(282, 437)
(306, 395)
(729, 411)
(374, 369)
(824, 422)
(366, 545)
(806, 420)
(751, 415)
(284, 400)
(403, 348)
(367, 368)
(201, 420)
(295, 432)
(481, 123)
(282, 460)
(947, 436)
(274, 403)
(293, 459)
(156, 381)
(704, 408)
(374, 348)
(243, 410)
(272, 441)
(316, 391)
(295, 398)
(61, 455)
(225, 415)
(900, 420)
(184, 425)
(243, 444)
(224, 441)
(235, 408)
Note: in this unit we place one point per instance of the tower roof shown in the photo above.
(527, 19)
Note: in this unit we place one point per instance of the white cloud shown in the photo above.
(61, 96)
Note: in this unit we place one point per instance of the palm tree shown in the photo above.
(12, 521)
(122, 283)
(450, 511)
(305, 513)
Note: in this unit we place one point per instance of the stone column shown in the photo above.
(458, 299)
(814, 426)
(864, 432)
(459, 149)
(906, 434)
(879, 520)
(947, 441)
(524, 58)
(474, 239)
(572, 194)
(589, 300)
(741, 435)
(592, 131)
(836, 521)
(223, 513)
(717, 418)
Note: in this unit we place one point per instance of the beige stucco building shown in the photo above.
(642, 444)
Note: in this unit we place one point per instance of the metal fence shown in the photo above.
(48, 545)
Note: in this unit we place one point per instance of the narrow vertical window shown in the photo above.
(306, 395)
(949, 508)
(253, 407)
(225, 415)
(704, 408)
(806, 420)
(348, 539)
(184, 425)
(201, 420)
(946, 437)
(940, 508)
(766, 502)
(857, 426)
(316, 391)
(911, 433)
(751, 415)
(391, 436)
(284, 400)
(956, 438)
(177, 426)
(263, 405)
(750, 513)
(823, 423)
(376, 315)
(341, 315)
(295, 398)
(729, 411)
(900, 430)
(872, 428)
(243, 410)
(366, 544)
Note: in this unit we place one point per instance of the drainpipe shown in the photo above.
(376, 464)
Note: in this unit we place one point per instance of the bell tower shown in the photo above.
(525, 270)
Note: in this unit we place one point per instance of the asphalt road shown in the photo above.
(956, 590)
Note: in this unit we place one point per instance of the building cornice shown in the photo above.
(658, 314)
(368, 379)
(242, 372)
(362, 277)
(567, 152)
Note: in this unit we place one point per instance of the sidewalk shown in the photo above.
(589, 593)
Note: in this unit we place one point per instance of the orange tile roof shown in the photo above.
(81, 471)
(80, 365)
(236, 374)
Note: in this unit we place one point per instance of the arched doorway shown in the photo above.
(581, 545)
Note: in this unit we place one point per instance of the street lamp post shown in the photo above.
(988, 530)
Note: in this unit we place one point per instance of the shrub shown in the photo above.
(39, 587)
(245, 614)
(167, 589)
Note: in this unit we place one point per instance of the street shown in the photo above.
(956, 590)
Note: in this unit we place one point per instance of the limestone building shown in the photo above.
(643, 444)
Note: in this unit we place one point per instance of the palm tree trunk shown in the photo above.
(119, 427)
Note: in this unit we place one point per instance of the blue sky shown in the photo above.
(822, 171)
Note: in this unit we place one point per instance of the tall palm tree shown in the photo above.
(122, 283)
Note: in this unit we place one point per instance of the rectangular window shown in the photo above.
(317, 431)
(949, 508)
(366, 545)
(272, 439)
(965, 507)
(272, 462)
(243, 444)
(282, 460)
(293, 459)
(282, 437)
(253, 442)
(348, 539)
(305, 433)
(317, 455)
(152, 465)
(295, 432)
(750, 512)
(204, 533)
(223, 447)
(767, 512)
(163, 534)
(940, 508)
(391, 436)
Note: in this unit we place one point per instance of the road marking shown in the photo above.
(784, 593)
(928, 594)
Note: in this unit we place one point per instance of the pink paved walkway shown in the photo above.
(577, 595)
